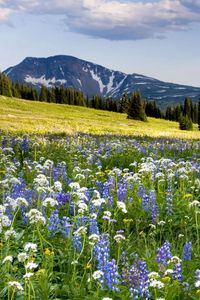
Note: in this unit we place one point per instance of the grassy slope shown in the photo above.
(35, 117)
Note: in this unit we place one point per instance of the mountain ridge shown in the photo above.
(94, 79)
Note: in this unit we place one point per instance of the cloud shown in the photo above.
(114, 19)
(192, 5)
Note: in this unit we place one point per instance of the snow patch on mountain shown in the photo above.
(110, 83)
(61, 70)
(43, 81)
(98, 79)
(79, 81)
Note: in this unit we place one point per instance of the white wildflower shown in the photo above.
(31, 265)
(94, 237)
(119, 238)
(197, 284)
(2, 209)
(121, 205)
(93, 216)
(35, 217)
(156, 284)
(174, 259)
(22, 257)
(98, 202)
(82, 207)
(97, 274)
(96, 194)
(28, 275)
(168, 272)
(5, 221)
(16, 285)
(49, 202)
(21, 201)
(152, 226)
(181, 235)
(194, 204)
(8, 258)
(58, 186)
(80, 231)
(74, 186)
(107, 213)
(48, 164)
(153, 275)
(41, 182)
(79, 177)
(30, 247)
(9, 233)
(161, 223)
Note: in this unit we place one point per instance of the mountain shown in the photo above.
(93, 79)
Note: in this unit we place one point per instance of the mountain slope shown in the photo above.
(93, 79)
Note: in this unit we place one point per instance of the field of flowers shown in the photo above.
(89, 217)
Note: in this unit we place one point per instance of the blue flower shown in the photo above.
(187, 251)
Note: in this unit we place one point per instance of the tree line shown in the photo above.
(133, 105)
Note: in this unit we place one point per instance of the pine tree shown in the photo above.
(185, 123)
(5, 86)
(124, 103)
(136, 108)
(199, 115)
(187, 108)
(43, 94)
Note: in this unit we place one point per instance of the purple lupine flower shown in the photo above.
(164, 253)
(63, 198)
(153, 206)
(169, 199)
(4, 142)
(101, 251)
(93, 227)
(54, 222)
(111, 275)
(139, 281)
(67, 227)
(187, 251)
(177, 272)
(141, 191)
(25, 144)
(145, 202)
(125, 268)
(77, 243)
(143, 280)
(121, 191)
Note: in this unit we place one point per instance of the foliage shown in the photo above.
(185, 123)
(135, 108)
(5, 86)
(188, 108)
(80, 222)
(199, 115)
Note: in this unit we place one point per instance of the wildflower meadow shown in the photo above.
(99, 217)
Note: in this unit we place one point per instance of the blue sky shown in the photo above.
(154, 38)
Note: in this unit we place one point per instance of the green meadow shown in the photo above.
(22, 116)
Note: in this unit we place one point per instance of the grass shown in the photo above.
(22, 116)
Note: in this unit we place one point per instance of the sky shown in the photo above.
(157, 38)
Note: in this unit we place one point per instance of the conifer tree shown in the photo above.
(5, 86)
(136, 108)
(199, 115)
(185, 123)
(43, 94)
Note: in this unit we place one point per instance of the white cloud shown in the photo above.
(114, 19)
